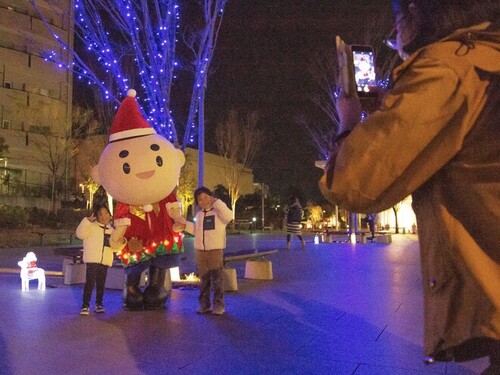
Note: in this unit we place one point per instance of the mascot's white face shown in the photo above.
(140, 171)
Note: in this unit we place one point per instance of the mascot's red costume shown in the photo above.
(140, 170)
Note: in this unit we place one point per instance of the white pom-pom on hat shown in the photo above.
(132, 93)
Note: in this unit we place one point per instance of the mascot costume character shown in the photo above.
(140, 169)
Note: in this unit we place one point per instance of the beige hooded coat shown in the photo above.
(436, 137)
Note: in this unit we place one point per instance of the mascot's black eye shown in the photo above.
(159, 161)
(154, 147)
(123, 154)
(126, 168)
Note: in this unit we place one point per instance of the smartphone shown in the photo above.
(363, 59)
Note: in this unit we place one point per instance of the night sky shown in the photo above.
(261, 62)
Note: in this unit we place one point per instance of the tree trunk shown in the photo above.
(233, 207)
(53, 194)
(396, 230)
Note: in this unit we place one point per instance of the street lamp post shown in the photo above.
(264, 189)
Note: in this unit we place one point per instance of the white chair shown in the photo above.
(29, 271)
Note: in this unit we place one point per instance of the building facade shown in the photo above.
(35, 101)
(215, 171)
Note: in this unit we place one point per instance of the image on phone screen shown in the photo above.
(364, 69)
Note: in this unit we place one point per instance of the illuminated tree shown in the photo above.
(202, 44)
(395, 209)
(238, 141)
(187, 185)
(315, 214)
(133, 43)
(89, 146)
(4, 148)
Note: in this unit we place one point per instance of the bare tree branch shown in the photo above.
(238, 141)
(54, 153)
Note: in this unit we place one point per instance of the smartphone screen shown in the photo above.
(364, 69)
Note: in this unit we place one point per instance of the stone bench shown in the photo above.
(75, 252)
(73, 268)
(256, 266)
(383, 238)
(343, 237)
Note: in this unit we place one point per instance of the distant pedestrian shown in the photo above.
(370, 219)
(293, 221)
(209, 230)
(95, 231)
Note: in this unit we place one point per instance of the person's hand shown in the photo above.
(91, 218)
(178, 227)
(348, 110)
(371, 104)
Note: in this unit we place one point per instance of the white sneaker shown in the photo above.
(218, 310)
(84, 311)
(204, 310)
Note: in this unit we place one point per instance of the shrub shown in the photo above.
(13, 217)
(69, 217)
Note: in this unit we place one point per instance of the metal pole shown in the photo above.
(337, 226)
(263, 207)
(201, 136)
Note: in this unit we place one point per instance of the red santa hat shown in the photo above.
(129, 122)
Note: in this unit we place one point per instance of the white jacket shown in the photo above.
(95, 248)
(209, 230)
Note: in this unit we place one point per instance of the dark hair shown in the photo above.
(98, 207)
(200, 190)
(440, 18)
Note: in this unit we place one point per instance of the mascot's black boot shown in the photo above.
(132, 294)
(155, 295)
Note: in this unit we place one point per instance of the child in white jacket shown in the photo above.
(209, 232)
(95, 231)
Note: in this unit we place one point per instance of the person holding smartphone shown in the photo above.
(436, 137)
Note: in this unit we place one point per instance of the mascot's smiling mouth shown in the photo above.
(145, 175)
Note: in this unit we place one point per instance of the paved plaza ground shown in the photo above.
(332, 308)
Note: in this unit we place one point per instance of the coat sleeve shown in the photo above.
(399, 147)
(83, 229)
(223, 212)
(190, 227)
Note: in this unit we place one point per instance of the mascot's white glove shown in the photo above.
(174, 210)
(117, 240)
(178, 227)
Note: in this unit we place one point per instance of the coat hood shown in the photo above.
(483, 38)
